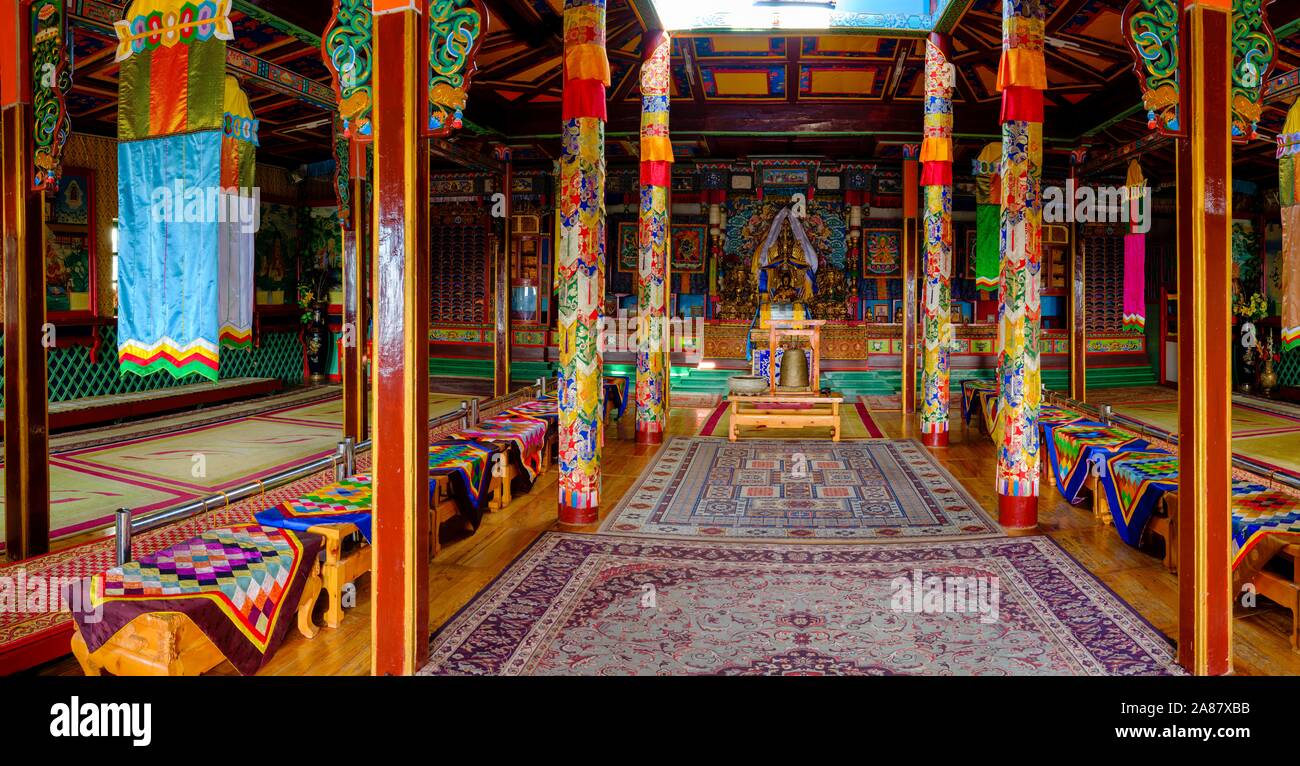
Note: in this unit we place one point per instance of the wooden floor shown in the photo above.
(469, 562)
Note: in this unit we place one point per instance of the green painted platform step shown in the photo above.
(850, 383)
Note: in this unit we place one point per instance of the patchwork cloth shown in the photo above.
(1263, 521)
(547, 409)
(616, 392)
(469, 464)
(526, 437)
(344, 502)
(972, 394)
(240, 585)
(1055, 415)
(1134, 482)
(1072, 446)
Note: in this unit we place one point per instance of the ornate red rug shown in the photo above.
(597, 605)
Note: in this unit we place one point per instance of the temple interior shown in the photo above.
(745, 338)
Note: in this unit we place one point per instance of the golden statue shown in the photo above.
(739, 294)
(789, 277)
(832, 301)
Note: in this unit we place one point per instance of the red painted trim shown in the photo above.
(36, 649)
(165, 400)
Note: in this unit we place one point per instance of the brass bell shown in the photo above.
(794, 369)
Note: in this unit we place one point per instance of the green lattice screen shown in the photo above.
(1288, 373)
(72, 376)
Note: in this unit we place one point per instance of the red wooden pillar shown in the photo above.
(400, 573)
(26, 445)
(1204, 331)
(356, 267)
(501, 284)
(911, 195)
(1078, 299)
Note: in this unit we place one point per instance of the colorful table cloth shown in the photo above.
(616, 392)
(240, 585)
(1263, 521)
(972, 394)
(526, 437)
(469, 466)
(1070, 447)
(545, 409)
(1134, 482)
(1056, 415)
(345, 502)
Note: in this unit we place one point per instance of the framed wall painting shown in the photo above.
(70, 258)
(629, 257)
(690, 248)
(276, 249)
(882, 252)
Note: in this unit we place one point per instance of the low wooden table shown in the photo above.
(170, 644)
(819, 412)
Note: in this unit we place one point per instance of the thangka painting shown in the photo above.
(629, 258)
(68, 274)
(882, 252)
(275, 253)
(325, 245)
(749, 219)
(71, 203)
(690, 248)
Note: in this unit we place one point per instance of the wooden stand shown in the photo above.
(803, 328)
(338, 569)
(170, 644)
(762, 416)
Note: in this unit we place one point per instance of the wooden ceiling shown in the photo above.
(842, 96)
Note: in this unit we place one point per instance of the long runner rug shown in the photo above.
(596, 605)
(868, 491)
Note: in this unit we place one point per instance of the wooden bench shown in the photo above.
(819, 412)
(103, 409)
(170, 644)
(1273, 586)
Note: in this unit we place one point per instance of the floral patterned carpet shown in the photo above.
(600, 605)
(868, 491)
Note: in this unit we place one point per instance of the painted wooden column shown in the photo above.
(1021, 79)
(346, 48)
(580, 259)
(911, 181)
(26, 432)
(356, 271)
(1078, 273)
(652, 269)
(1204, 331)
(501, 281)
(400, 575)
(936, 178)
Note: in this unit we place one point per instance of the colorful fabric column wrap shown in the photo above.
(580, 259)
(1288, 147)
(988, 217)
(1021, 79)
(235, 257)
(171, 104)
(652, 269)
(936, 177)
(1135, 256)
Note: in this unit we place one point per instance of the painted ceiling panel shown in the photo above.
(736, 46)
(743, 81)
(849, 46)
(842, 81)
